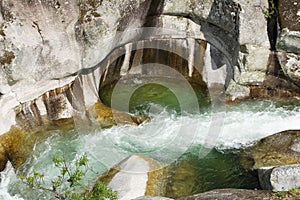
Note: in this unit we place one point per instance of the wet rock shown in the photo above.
(231, 194)
(279, 149)
(134, 177)
(15, 147)
(279, 178)
(108, 117)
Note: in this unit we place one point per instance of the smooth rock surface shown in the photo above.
(280, 178)
(134, 177)
(279, 149)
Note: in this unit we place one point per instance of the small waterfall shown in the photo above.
(166, 138)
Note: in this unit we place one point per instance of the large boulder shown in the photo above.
(134, 177)
(231, 194)
(282, 148)
(280, 178)
(61, 38)
(276, 159)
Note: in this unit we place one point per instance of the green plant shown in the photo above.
(293, 193)
(68, 182)
(271, 11)
(102, 192)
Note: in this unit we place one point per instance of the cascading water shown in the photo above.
(168, 138)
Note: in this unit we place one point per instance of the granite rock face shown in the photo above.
(48, 44)
(254, 50)
(289, 38)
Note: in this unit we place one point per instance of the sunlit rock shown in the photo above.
(236, 91)
(108, 117)
(278, 149)
(279, 178)
(253, 49)
(15, 147)
(134, 177)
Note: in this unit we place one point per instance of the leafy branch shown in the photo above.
(65, 185)
(271, 11)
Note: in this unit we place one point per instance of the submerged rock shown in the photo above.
(108, 117)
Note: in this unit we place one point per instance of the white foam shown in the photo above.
(166, 137)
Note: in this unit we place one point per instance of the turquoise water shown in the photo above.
(197, 158)
(172, 95)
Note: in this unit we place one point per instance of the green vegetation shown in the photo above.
(293, 193)
(271, 11)
(67, 184)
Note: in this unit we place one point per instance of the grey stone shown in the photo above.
(280, 178)
(236, 91)
(250, 78)
(253, 24)
(289, 41)
(290, 64)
